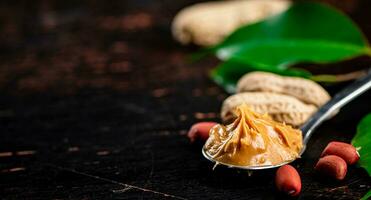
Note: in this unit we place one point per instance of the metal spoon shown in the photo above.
(338, 101)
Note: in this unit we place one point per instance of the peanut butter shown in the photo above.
(253, 139)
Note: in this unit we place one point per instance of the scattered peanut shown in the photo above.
(288, 180)
(280, 107)
(346, 151)
(208, 23)
(200, 131)
(305, 90)
(332, 166)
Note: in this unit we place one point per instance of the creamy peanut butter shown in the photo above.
(253, 140)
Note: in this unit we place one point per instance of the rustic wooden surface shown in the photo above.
(96, 99)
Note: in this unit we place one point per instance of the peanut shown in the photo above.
(200, 131)
(303, 89)
(280, 107)
(288, 180)
(345, 151)
(332, 166)
(208, 23)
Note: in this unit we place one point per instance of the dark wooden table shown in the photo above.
(96, 99)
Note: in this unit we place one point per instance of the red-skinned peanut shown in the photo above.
(200, 131)
(288, 180)
(332, 166)
(346, 151)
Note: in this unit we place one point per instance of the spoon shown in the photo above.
(338, 101)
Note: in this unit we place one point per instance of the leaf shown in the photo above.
(362, 141)
(306, 32)
(367, 196)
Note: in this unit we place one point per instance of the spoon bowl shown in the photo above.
(250, 168)
(326, 111)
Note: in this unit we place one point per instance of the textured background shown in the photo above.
(96, 99)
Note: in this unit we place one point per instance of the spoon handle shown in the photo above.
(339, 100)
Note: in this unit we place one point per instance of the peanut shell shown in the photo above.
(280, 107)
(305, 90)
(208, 23)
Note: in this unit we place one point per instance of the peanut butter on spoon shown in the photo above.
(253, 139)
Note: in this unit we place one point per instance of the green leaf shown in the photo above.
(367, 196)
(306, 32)
(362, 141)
